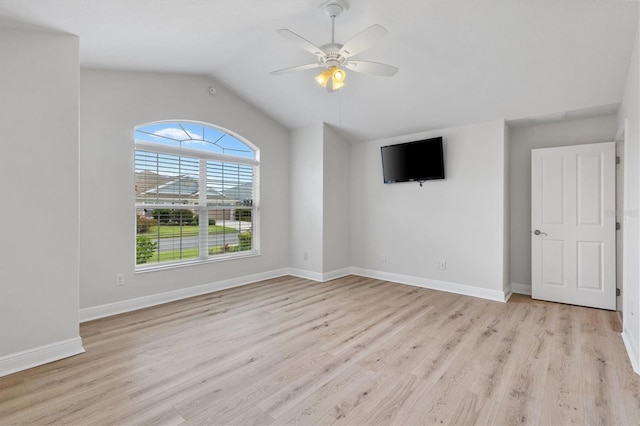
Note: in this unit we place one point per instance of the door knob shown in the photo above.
(538, 232)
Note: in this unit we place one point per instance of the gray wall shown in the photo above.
(459, 219)
(320, 193)
(337, 194)
(522, 141)
(112, 104)
(39, 187)
(306, 195)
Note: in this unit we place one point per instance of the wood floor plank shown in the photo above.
(78, 383)
(446, 349)
(523, 400)
(431, 403)
(562, 400)
(353, 350)
(401, 352)
(600, 382)
(325, 399)
(249, 417)
(362, 401)
(472, 409)
(229, 396)
(494, 381)
(386, 411)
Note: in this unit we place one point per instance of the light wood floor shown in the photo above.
(349, 351)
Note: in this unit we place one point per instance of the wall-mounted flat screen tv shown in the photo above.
(413, 161)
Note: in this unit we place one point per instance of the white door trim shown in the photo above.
(573, 224)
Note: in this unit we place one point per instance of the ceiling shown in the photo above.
(461, 61)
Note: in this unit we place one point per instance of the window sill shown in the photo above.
(173, 265)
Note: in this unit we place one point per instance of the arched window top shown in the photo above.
(195, 135)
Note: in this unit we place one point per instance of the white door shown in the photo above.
(573, 225)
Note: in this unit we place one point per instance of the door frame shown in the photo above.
(611, 239)
(621, 168)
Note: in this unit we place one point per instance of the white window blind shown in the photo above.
(196, 206)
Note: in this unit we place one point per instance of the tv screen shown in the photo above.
(413, 161)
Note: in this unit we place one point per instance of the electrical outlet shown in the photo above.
(305, 255)
(383, 257)
(119, 279)
(441, 264)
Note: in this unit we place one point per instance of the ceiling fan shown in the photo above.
(333, 57)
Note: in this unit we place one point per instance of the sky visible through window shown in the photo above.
(221, 175)
(193, 136)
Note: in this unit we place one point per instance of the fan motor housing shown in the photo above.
(332, 53)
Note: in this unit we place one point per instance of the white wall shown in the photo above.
(506, 225)
(112, 103)
(628, 116)
(459, 219)
(336, 192)
(522, 141)
(39, 187)
(306, 199)
(320, 191)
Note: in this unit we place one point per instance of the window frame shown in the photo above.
(202, 208)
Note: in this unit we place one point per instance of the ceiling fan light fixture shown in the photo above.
(335, 85)
(332, 78)
(323, 78)
(338, 75)
(334, 75)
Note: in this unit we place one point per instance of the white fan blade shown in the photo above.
(362, 41)
(374, 68)
(296, 68)
(301, 42)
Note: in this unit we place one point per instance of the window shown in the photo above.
(196, 194)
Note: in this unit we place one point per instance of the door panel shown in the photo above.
(573, 254)
(552, 202)
(589, 189)
(553, 262)
(590, 265)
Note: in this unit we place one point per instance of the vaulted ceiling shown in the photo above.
(461, 61)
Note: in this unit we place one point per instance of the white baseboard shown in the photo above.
(467, 290)
(96, 312)
(632, 350)
(307, 275)
(521, 288)
(338, 273)
(319, 276)
(109, 309)
(41, 355)
(508, 292)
